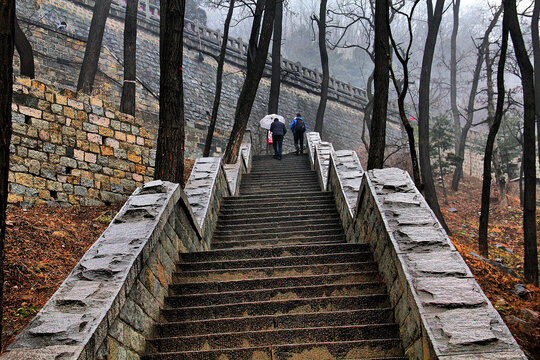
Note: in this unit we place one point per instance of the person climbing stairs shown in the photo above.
(280, 282)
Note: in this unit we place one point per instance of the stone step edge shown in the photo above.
(280, 195)
(326, 215)
(367, 252)
(322, 313)
(286, 288)
(240, 333)
(315, 242)
(240, 229)
(289, 267)
(217, 306)
(277, 247)
(318, 344)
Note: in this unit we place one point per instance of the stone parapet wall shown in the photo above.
(441, 310)
(74, 149)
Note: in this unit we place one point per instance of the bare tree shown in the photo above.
(170, 143)
(7, 40)
(462, 133)
(273, 101)
(93, 46)
(434, 21)
(219, 80)
(529, 144)
(404, 56)
(26, 54)
(256, 60)
(453, 72)
(536, 56)
(321, 25)
(377, 140)
(493, 130)
(127, 102)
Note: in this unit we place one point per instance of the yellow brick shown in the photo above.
(13, 199)
(24, 179)
(106, 131)
(107, 150)
(133, 157)
(95, 148)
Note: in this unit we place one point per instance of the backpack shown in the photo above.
(300, 126)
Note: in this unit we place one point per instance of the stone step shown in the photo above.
(272, 252)
(285, 292)
(245, 189)
(281, 196)
(275, 337)
(282, 219)
(314, 240)
(253, 323)
(277, 261)
(255, 191)
(282, 227)
(276, 213)
(182, 288)
(276, 205)
(271, 271)
(276, 234)
(380, 349)
(272, 307)
(265, 178)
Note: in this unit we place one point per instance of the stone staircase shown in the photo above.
(280, 281)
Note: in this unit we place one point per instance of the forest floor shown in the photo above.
(521, 313)
(44, 244)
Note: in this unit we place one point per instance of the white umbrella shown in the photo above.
(269, 119)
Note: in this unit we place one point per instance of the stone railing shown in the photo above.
(441, 310)
(110, 303)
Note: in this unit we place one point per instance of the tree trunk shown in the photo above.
(170, 144)
(453, 76)
(536, 55)
(127, 102)
(325, 69)
(7, 30)
(251, 82)
(493, 130)
(254, 36)
(93, 46)
(377, 141)
(273, 102)
(529, 145)
(219, 80)
(462, 139)
(423, 110)
(445, 195)
(26, 54)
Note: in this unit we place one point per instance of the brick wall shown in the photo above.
(69, 149)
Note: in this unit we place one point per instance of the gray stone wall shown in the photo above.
(441, 310)
(59, 54)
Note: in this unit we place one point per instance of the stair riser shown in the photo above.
(267, 235)
(265, 229)
(256, 273)
(273, 262)
(307, 208)
(271, 283)
(325, 240)
(299, 214)
(280, 196)
(292, 250)
(277, 307)
(299, 220)
(357, 317)
(273, 294)
(277, 337)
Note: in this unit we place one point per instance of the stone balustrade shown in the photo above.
(441, 310)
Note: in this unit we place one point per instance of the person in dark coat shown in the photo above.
(298, 127)
(278, 130)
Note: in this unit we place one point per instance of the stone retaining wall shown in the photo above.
(441, 310)
(74, 149)
(110, 303)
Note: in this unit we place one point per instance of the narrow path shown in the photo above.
(280, 283)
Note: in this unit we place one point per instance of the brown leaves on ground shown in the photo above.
(505, 228)
(43, 245)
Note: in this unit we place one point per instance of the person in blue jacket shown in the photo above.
(298, 127)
